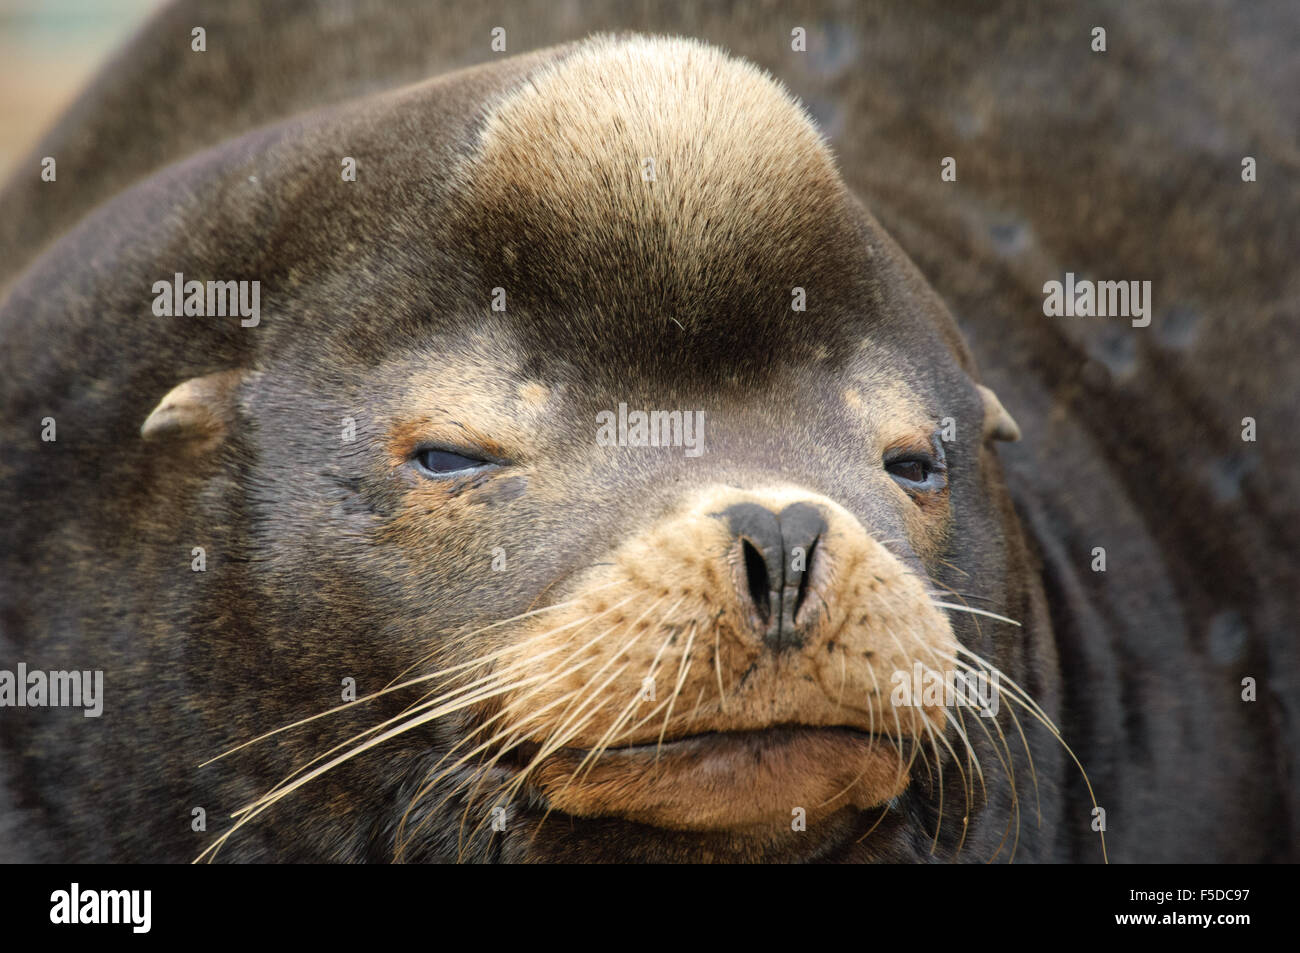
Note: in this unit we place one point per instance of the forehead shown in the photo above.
(657, 194)
(631, 213)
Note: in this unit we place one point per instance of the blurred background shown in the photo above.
(48, 51)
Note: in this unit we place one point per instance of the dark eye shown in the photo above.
(910, 470)
(440, 463)
(917, 471)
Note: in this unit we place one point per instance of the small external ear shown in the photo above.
(200, 409)
(998, 424)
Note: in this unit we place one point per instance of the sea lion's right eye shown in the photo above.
(435, 462)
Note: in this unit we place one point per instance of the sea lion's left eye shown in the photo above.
(440, 463)
(917, 471)
(910, 471)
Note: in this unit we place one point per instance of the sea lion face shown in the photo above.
(660, 536)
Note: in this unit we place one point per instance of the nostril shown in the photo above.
(757, 579)
(802, 593)
(775, 550)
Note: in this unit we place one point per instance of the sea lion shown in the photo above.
(398, 476)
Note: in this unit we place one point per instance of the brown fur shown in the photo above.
(329, 558)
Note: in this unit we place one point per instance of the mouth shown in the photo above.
(756, 742)
(743, 781)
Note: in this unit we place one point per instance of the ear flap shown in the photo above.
(998, 424)
(199, 410)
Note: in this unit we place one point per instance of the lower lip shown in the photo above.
(737, 781)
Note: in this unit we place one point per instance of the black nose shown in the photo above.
(778, 553)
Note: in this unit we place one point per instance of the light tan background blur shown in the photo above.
(49, 49)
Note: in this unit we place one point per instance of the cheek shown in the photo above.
(927, 519)
(503, 490)
(455, 525)
(431, 521)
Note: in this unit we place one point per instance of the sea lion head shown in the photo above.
(628, 465)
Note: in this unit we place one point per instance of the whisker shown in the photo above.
(717, 664)
(441, 673)
(594, 752)
(973, 611)
(1032, 707)
(463, 637)
(681, 680)
(437, 709)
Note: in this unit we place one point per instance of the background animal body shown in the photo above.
(1121, 164)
